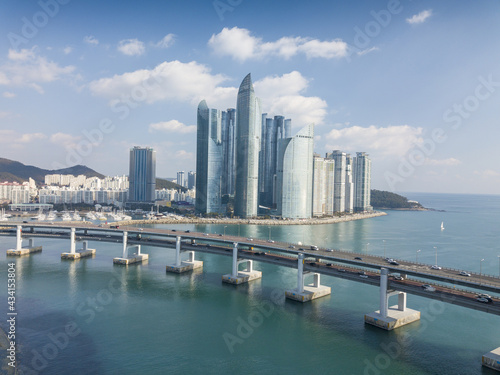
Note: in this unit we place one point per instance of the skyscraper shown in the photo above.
(181, 178)
(339, 189)
(272, 131)
(349, 185)
(323, 185)
(229, 150)
(142, 174)
(209, 160)
(191, 180)
(362, 182)
(295, 174)
(248, 130)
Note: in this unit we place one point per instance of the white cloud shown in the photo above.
(26, 68)
(166, 42)
(184, 155)
(8, 94)
(12, 138)
(442, 162)
(22, 55)
(131, 47)
(391, 141)
(368, 50)
(241, 45)
(172, 80)
(4, 114)
(28, 138)
(420, 17)
(65, 140)
(192, 82)
(67, 50)
(91, 40)
(173, 126)
(281, 95)
(488, 173)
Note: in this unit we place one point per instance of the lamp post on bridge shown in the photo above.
(498, 265)
(367, 246)
(384, 248)
(480, 270)
(435, 247)
(416, 260)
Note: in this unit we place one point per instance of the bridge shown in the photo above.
(396, 279)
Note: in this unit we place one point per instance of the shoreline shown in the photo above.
(312, 221)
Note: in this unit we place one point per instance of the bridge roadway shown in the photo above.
(324, 261)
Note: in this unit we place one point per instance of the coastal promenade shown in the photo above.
(201, 220)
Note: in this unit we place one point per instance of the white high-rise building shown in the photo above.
(362, 182)
(349, 185)
(295, 175)
(323, 186)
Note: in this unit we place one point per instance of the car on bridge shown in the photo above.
(358, 258)
(436, 267)
(394, 263)
(463, 273)
(484, 300)
(428, 288)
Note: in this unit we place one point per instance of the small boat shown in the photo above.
(442, 225)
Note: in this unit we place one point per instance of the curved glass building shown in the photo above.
(295, 174)
(248, 131)
(209, 160)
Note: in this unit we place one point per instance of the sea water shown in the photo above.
(93, 317)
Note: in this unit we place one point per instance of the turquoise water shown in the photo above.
(109, 319)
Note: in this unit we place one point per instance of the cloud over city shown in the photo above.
(239, 44)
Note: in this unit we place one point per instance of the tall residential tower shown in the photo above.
(248, 130)
(142, 174)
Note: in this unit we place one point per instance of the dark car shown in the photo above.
(186, 231)
(394, 263)
(358, 258)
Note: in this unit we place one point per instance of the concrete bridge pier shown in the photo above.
(77, 254)
(180, 265)
(389, 318)
(19, 250)
(239, 277)
(492, 359)
(126, 259)
(305, 293)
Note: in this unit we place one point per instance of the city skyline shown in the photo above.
(414, 85)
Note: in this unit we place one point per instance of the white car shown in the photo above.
(329, 250)
(463, 273)
(270, 241)
(249, 239)
(483, 300)
(436, 267)
(429, 288)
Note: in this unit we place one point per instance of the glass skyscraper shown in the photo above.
(295, 174)
(248, 132)
(142, 174)
(209, 160)
(323, 185)
(340, 175)
(272, 131)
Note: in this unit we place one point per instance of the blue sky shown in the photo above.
(416, 84)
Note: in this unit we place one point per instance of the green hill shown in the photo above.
(386, 199)
(166, 184)
(11, 170)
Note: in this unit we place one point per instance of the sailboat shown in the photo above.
(442, 225)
